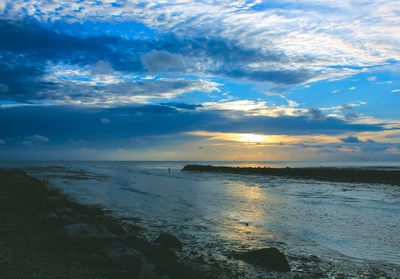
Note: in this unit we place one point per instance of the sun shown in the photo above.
(253, 138)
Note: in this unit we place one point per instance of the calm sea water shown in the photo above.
(348, 226)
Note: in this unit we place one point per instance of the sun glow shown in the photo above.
(266, 139)
(252, 138)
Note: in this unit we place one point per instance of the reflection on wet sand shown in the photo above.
(245, 215)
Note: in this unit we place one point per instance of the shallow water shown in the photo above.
(351, 228)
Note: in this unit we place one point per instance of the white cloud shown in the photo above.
(3, 87)
(324, 37)
(35, 140)
(251, 107)
(395, 90)
(105, 120)
(238, 105)
(100, 85)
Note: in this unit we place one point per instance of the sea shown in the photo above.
(325, 228)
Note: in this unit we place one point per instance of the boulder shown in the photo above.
(66, 219)
(123, 256)
(80, 230)
(270, 258)
(49, 218)
(96, 259)
(85, 231)
(148, 271)
(168, 240)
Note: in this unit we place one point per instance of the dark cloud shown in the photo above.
(163, 61)
(350, 139)
(62, 123)
(218, 57)
(181, 105)
(351, 116)
(37, 44)
(280, 77)
(27, 49)
(315, 114)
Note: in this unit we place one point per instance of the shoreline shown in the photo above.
(45, 234)
(352, 175)
(48, 234)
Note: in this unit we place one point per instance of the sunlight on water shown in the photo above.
(244, 215)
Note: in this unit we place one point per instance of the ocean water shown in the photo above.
(325, 227)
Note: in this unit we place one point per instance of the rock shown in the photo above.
(157, 253)
(270, 258)
(50, 218)
(85, 231)
(95, 258)
(66, 219)
(168, 240)
(81, 230)
(148, 271)
(123, 256)
(65, 210)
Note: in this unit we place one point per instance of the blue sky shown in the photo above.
(200, 80)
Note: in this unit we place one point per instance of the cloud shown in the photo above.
(164, 127)
(62, 123)
(395, 90)
(315, 114)
(38, 44)
(163, 61)
(2, 141)
(182, 106)
(60, 84)
(105, 120)
(35, 140)
(350, 139)
(94, 70)
(351, 116)
(279, 42)
(237, 105)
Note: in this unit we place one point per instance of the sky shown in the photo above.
(200, 80)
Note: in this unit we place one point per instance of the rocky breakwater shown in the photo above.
(355, 175)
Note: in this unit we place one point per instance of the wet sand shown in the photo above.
(356, 175)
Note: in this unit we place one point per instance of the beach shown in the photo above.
(324, 229)
(44, 234)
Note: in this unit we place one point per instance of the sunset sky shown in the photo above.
(200, 80)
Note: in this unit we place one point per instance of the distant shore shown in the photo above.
(44, 234)
(354, 175)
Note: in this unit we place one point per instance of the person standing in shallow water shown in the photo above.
(169, 170)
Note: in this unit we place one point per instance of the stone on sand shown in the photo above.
(270, 258)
